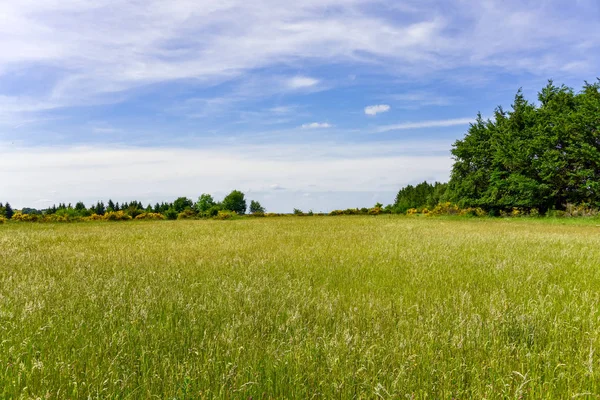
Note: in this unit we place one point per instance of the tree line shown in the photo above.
(182, 207)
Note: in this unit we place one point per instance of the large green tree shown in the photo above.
(542, 155)
(205, 202)
(235, 201)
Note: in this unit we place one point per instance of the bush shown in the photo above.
(412, 211)
(171, 214)
(582, 210)
(446, 208)
(150, 216)
(116, 216)
(19, 216)
(222, 215)
(186, 214)
(2, 220)
(94, 217)
(472, 212)
(56, 218)
(375, 211)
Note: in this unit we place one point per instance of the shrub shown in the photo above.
(116, 216)
(186, 214)
(412, 211)
(534, 212)
(150, 216)
(472, 212)
(94, 217)
(446, 208)
(2, 220)
(582, 210)
(56, 218)
(19, 216)
(222, 215)
(272, 215)
(171, 214)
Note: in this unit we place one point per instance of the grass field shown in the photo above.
(344, 307)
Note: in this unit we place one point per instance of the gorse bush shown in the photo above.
(186, 214)
(223, 215)
(117, 216)
(150, 216)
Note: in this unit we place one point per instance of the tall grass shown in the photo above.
(347, 307)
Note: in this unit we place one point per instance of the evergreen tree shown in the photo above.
(8, 211)
(100, 209)
(256, 208)
(543, 156)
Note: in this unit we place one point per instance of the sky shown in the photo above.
(311, 104)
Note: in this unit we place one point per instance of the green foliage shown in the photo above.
(150, 216)
(8, 211)
(422, 195)
(256, 208)
(533, 156)
(186, 214)
(235, 201)
(182, 203)
(171, 214)
(205, 202)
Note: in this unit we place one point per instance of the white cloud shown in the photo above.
(153, 174)
(425, 124)
(317, 125)
(301, 82)
(376, 109)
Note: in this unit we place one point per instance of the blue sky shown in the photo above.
(315, 104)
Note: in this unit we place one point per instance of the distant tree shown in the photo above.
(235, 201)
(117, 208)
(100, 209)
(182, 203)
(80, 206)
(255, 207)
(8, 211)
(110, 206)
(204, 203)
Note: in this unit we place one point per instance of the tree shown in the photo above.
(205, 202)
(8, 211)
(256, 208)
(111, 205)
(80, 206)
(235, 201)
(182, 203)
(100, 209)
(533, 156)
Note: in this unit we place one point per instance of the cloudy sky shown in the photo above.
(314, 104)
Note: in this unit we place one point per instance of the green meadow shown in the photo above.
(301, 307)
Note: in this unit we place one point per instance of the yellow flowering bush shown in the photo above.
(412, 211)
(150, 216)
(19, 216)
(446, 208)
(116, 216)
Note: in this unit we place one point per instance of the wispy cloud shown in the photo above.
(301, 82)
(316, 125)
(377, 109)
(425, 124)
